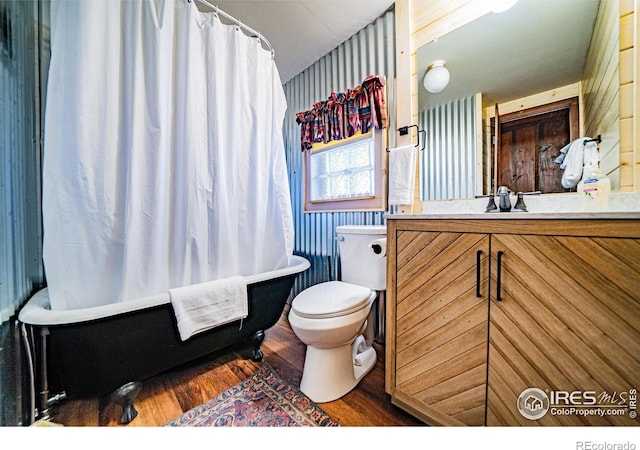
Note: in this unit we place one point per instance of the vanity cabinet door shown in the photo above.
(564, 316)
(440, 337)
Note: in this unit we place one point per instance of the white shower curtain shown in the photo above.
(164, 160)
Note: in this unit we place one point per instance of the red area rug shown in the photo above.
(262, 400)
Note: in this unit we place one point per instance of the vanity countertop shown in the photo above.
(522, 215)
(622, 205)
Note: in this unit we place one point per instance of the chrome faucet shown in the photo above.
(504, 202)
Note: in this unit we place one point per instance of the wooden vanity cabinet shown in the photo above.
(480, 310)
(568, 319)
(440, 333)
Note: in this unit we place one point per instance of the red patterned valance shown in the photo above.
(344, 114)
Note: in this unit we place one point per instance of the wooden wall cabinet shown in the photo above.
(480, 310)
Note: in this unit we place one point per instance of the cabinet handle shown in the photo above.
(498, 296)
(478, 273)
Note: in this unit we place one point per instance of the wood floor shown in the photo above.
(167, 396)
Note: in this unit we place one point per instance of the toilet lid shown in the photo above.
(331, 299)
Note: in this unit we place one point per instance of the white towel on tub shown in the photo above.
(203, 306)
(402, 175)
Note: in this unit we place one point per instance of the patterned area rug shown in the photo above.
(262, 400)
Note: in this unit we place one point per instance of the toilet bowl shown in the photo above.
(335, 318)
(337, 356)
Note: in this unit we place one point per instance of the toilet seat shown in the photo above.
(331, 299)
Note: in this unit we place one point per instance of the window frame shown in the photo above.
(375, 202)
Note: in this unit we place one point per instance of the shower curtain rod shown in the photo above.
(250, 30)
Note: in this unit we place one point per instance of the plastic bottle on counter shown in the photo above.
(594, 188)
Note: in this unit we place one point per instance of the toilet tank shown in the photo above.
(359, 264)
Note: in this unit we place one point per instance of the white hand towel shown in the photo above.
(577, 156)
(402, 175)
(203, 306)
(572, 164)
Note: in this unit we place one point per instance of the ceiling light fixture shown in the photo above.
(436, 78)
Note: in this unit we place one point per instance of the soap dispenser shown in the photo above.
(594, 188)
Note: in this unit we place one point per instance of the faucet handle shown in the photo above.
(491, 206)
(520, 206)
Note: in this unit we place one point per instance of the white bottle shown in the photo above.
(594, 188)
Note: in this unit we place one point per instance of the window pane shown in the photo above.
(338, 159)
(340, 186)
(319, 165)
(361, 155)
(361, 183)
(320, 188)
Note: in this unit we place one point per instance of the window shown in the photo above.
(346, 174)
(344, 171)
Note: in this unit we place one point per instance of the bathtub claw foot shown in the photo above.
(256, 341)
(257, 355)
(124, 396)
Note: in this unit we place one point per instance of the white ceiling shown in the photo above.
(303, 31)
(545, 42)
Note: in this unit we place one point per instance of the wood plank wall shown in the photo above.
(427, 20)
(629, 96)
(601, 89)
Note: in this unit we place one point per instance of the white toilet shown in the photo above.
(334, 319)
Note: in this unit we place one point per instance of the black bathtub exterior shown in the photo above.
(96, 357)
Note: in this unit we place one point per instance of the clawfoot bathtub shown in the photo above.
(112, 348)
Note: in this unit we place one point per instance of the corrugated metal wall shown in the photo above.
(20, 224)
(447, 164)
(370, 51)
